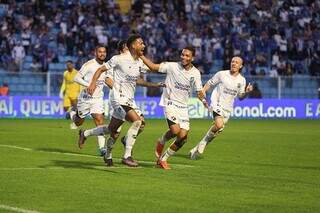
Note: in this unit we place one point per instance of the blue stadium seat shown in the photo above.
(24, 79)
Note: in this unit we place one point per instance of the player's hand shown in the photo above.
(249, 88)
(161, 84)
(91, 89)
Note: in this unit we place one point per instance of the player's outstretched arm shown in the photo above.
(248, 89)
(143, 83)
(79, 79)
(152, 66)
(95, 77)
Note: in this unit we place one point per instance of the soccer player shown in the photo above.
(228, 85)
(123, 49)
(182, 77)
(91, 104)
(69, 90)
(127, 68)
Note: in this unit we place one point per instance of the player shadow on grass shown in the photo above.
(82, 165)
(117, 162)
(62, 151)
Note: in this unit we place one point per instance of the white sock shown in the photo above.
(101, 141)
(99, 130)
(205, 140)
(167, 154)
(109, 146)
(131, 137)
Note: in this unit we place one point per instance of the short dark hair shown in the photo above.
(69, 61)
(99, 46)
(192, 49)
(132, 38)
(121, 45)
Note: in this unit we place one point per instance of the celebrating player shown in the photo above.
(123, 49)
(228, 84)
(127, 68)
(91, 104)
(181, 78)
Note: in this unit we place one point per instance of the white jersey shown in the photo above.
(87, 71)
(126, 71)
(179, 84)
(227, 88)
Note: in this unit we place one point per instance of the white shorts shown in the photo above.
(219, 111)
(88, 106)
(178, 115)
(116, 110)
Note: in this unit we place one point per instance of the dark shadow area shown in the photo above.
(81, 165)
(61, 151)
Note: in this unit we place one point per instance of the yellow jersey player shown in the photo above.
(69, 90)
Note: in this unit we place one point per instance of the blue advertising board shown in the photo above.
(52, 107)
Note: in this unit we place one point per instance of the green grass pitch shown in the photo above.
(254, 166)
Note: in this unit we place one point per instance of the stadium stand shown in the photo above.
(268, 34)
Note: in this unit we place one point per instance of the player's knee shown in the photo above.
(175, 130)
(182, 136)
(219, 125)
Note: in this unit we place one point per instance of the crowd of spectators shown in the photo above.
(273, 37)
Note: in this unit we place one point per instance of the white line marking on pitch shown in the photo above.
(85, 155)
(62, 168)
(16, 209)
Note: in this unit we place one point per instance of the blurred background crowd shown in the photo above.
(274, 37)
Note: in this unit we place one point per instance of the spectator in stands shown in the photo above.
(217, 28)
(12, 66)
(315, 67)
(288, 74)
(273, 74)
(4, 90)
(255, 93)
(35, 66)
(18, 54)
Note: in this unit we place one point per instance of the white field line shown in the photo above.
(16, 209)
(62, 168)
(86, 155)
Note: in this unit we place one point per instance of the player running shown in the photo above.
(123, 49)
(127, 68)
(91, 104)
(228, 84)
(182, 77)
